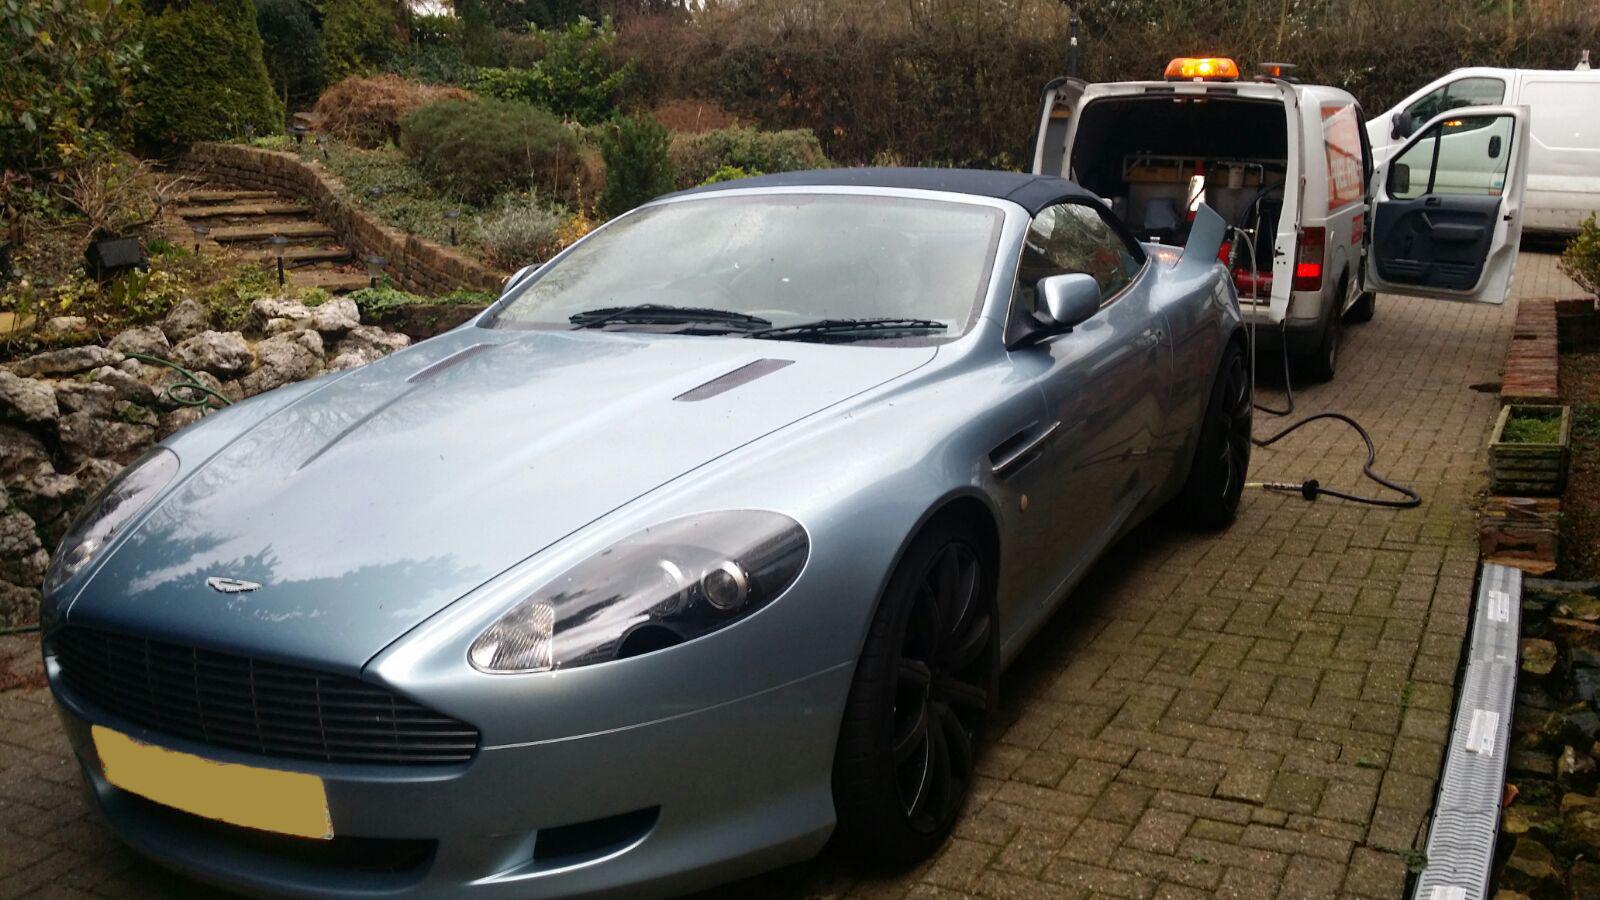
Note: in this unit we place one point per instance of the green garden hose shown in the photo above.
(195, 393)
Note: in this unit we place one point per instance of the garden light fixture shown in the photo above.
(375, 265)
(299, 129)
(452, 216)
(278, 242)
(200, 232)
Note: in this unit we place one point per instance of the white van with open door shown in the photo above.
(1318, 229)
(1563, 186)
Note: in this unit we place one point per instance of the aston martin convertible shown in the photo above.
(703, 545)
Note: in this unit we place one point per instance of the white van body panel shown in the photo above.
(1563, 179)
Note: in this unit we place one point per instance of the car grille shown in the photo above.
(247, 704)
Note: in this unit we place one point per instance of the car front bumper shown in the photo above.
(654, 809)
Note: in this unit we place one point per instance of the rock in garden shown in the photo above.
(87, 397)
(1583, 880)
(1580, 727)
(268, 309)
(22, 558)
(1582, 824)
(1518, 818)
(1538, 657)
(1574, 769)
(336, 316)
(125, 386)
(1532, 870)
(18, 605)
(285, 358)
(66, 361)
(85, 436)
(92, 475)
(186, 320)
(21, 454)
(222, 353)
(1510, 895)
(1586, 684)
(149, 340)
(1585, 658)
(365, 337)
(175, 420)
(27, 399)
(1579, 606)
(1575, 633)
(46, 495)
(65, 325)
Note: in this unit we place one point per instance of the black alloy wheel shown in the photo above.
(927, 678)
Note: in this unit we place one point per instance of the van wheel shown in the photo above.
(1363, 309)
(924, 685)
(1210, 498)
(1321, 363)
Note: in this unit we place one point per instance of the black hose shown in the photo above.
(1310, 488)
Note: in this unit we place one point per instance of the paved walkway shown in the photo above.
(1255, 714)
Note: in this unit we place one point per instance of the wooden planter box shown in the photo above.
(1529, 470)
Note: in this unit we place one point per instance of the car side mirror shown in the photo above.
(1494, 147)
(1401, 125)
(1069, 300)
(1400, 181)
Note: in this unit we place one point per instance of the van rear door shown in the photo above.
(1447, 208)
(1056, 109)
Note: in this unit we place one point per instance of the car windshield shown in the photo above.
(784, 259)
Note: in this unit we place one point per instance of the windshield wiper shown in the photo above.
(836, 330)
(661, 314)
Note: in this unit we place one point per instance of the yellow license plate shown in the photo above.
(285, 802)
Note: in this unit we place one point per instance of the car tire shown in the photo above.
(1322, 363)
(1363, 309)
(927, 678)
(1210, 497)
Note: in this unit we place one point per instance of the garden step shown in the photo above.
(223, 195)
(308, 254)
(269, 208)
(238, 234)
(330, 280)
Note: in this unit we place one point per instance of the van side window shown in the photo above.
(1467, 156)
(1461, 92)
(1069, 238)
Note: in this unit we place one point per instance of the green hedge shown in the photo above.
(359, 35)
(204, 76)
(698, 157)
(638, 164)
(292, 48)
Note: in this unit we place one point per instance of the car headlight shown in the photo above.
(117, 503)
(667, 584)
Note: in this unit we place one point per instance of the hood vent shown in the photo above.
(742, 375)
(450, 361)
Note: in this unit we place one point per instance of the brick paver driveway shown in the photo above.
(1254, 714)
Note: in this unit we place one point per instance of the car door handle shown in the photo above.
(1149, 340)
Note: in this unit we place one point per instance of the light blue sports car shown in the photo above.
(706, 542)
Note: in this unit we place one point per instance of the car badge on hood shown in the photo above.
(231, 585)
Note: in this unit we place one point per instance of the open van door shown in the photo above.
(1447, 208)
(1056, 109)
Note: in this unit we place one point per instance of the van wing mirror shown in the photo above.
(1069, 300)
(1401, 126)
(517, 278)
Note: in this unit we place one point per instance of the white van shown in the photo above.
(1289, 164)
(1563, 155)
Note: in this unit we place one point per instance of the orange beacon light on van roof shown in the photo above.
(1203, 68)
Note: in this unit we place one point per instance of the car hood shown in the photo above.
(379, 498)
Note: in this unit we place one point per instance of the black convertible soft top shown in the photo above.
(1032, 192)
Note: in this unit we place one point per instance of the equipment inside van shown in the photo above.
(1319, 226)
(1563, 185)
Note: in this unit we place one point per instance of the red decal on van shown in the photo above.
(1341, 138)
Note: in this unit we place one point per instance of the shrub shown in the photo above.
(114, 194)
(577, 78)
(358, 35)
(477, 149)
(65, 81)
(1581, 259)
(638, 164)
(730, 173)
(521, 233)
(291, 48)
(367, 111)
(699, 156)
(205, 77)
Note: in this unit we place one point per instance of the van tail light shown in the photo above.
(1308, 259)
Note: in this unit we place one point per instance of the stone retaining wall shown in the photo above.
(414, 263)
